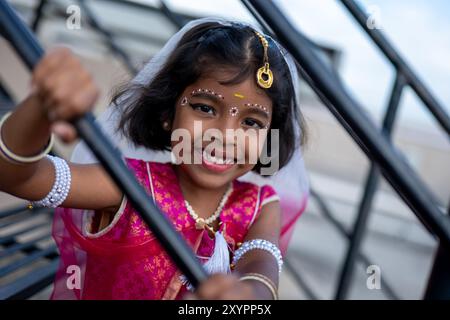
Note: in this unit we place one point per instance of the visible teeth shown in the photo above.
(215, 160)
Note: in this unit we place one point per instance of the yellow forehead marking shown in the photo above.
(238, 95)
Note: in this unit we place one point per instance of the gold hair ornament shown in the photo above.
(264, 75)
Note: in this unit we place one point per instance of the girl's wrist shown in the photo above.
(35, 104)
(260, 290)
(27, 130)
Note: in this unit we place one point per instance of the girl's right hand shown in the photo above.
(65, 90)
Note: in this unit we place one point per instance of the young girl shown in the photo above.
(222, 75)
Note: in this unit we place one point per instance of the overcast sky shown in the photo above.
(420, 29)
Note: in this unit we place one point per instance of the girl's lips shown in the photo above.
(216, 167)
(209, 163)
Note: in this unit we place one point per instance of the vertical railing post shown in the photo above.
(438, 287)
(108, 36)
(38, 16)
(372, 181)
(439, 281)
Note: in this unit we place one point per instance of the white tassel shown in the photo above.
(219, 262)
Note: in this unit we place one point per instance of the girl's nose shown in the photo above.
(227, 121)
(228, 126)
(222, 134)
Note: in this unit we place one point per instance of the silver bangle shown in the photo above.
(261, 244)
(61, 186)
(14, 158)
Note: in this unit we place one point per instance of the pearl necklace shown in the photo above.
(201, 223)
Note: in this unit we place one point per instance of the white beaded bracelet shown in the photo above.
(61, 186)
(261, 244)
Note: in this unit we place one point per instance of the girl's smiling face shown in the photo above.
(218, 58)
(243, 107)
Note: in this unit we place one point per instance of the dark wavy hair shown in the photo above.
(203, 49)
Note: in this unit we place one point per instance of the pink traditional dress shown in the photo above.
(124, 260)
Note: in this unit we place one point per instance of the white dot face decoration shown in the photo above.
(257, 106)
(206, 91)
(234, 111)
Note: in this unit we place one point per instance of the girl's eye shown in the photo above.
(253, 123)
(203, 108)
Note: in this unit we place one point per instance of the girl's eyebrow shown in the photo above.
(207, 93)
(258, 107)
(258, 110)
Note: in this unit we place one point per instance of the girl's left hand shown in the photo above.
(223, 287)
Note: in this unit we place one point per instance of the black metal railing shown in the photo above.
(378, 147)
(410, 77)
(405, 76)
